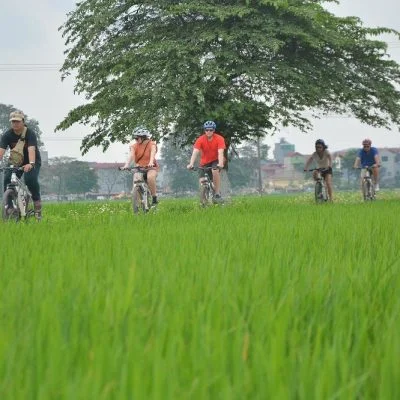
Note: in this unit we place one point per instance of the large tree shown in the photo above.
(5, 111)
(251, 65)
(66, 175)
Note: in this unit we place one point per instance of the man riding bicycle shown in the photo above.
(210, 146)
(142, 154)
(368, 157)
(322, 158)
(30, 157)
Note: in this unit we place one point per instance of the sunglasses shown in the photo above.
(209, 130)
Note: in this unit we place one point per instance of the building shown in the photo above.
(282, 149)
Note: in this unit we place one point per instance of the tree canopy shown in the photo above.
(251, 65)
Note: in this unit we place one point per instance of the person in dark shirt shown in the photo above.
(32, 160)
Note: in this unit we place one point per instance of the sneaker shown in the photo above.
(154, 203)
(217, 198)
(377, 187)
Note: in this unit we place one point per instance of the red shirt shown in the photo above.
(209, 148)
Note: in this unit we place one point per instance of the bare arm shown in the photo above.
(195, 153)
(153, 151)
(329, 160)
(32, 154)
(131, 157)
(221, 158)
(2, 151)
(357, 162)
(307, 164)
(377, 160)
(31, 157)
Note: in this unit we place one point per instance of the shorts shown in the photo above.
(212, 164)
(363, 172)
(327, 171)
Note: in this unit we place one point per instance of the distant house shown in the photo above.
(390, 164)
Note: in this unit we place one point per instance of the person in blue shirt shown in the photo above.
(368, 156)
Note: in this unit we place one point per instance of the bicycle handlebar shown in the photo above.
(368, 167)
(316, 169)
(205, 168)
(136, 169)
(12, 168)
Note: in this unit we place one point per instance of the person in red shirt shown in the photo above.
(211, 148)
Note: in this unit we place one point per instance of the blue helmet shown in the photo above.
(209, 125)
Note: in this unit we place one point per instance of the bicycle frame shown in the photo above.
(141, 195)
(140, 183)
(368, 186)
(320, 186)
(22, 198)
(207, 189)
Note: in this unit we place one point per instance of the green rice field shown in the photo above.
(263, 298)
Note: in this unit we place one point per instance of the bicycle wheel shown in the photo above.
(319, 196)
(147, 200)
(137, 199)
(366, 189)
(324, 193)
(29, 208)
(141, 200)
(205, 193)
(10, 206)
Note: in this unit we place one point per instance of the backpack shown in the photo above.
(17, 153)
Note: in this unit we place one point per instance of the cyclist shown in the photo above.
(210, 146)
(368, 156)
(142, 154)
(322, 158)
(31, 157)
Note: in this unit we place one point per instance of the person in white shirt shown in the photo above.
(323, 160)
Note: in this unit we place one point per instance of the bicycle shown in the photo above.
(17, 199)
(320, 191)
(367, 184)
(141, 195)
(207, 189)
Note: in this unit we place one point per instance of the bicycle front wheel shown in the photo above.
(10, 206)
(141, 200)
(205, 193)
(319, 196)
(367, 189)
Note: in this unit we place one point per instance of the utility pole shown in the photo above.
(260, 185)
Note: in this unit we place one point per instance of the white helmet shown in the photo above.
(141, 131)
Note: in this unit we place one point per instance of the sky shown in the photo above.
(31, 54)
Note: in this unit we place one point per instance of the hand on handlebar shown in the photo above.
(189, 166)
(28, 167)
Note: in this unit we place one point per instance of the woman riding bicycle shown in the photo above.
(142, 153)
(322, 158)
